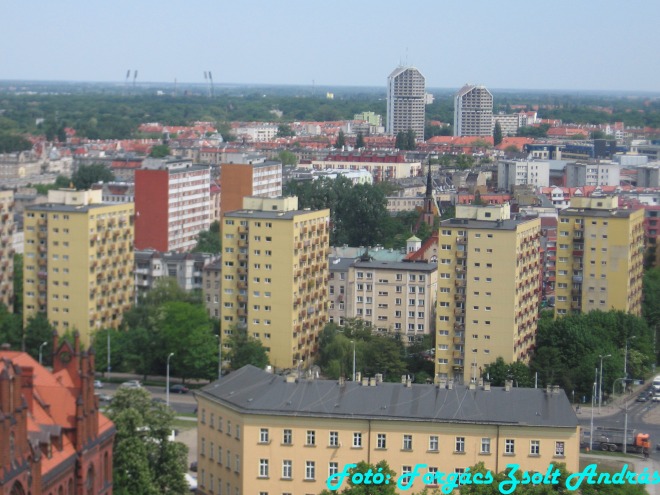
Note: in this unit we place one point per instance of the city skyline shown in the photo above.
(519, 45)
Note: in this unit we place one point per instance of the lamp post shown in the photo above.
(600, 382)
(353, 342)
(591, 429)
(167, 381)
(41, 346)
(625, 409)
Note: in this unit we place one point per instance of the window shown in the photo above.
(311, 437)
(381, 441)
(407, 442)
(509, 446)
(433, 443)
(287, 469)
(310, 470)
(534, 447)
(406, 469)
(357, 440)
(287, 437)
(334, 439)
(559, 449)
(263, 468)
(333, 468)
(263, 435)
(460, 444)
(485, 445)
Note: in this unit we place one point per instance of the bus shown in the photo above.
(656, 385)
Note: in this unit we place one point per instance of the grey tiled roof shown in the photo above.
(251, 390)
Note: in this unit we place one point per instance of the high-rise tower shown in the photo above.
(406, 88)
(473, 111)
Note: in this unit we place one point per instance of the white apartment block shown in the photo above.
(473, 111)
(601, 173)
(512, 173)
(406, 100)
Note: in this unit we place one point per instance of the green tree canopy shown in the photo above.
(86, 175)
(287, 158)
(497, 134)
(359, 141)
(245, 350)
(160, 151)
(208, 241)
(145, 461)
(341, 140)
(284, 130)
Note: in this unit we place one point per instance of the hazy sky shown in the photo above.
(530, 44)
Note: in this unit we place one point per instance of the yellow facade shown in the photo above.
(78, 265)
(275, 277)
(600, 251)
(294, 452)
(7, 249)
(488, 292)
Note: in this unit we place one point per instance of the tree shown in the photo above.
(497, 134)
(512, 148)
(401, 141)
(208, 241)
(287, 158)
(341, 140)
(86, 175)
(37, 331)
(160, 151)
(284, 130)
(411, 142)
(359, 141)
(246, 350)
(145, 461)
(12, 143)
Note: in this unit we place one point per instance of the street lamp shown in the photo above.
(625, 409)
(353, 342)
(600, 383)
(40, 353)
(591, 429)
(167, 381)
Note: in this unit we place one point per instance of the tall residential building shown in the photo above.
(78, 265)
(473, 111)
(406, 89)
(596, 173)
(239, 180)
(489, 281)
(600, 257)
(7, 249)
(262, 433)
(512, 173)
(172, 205)
(275, 276)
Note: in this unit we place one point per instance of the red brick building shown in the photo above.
(53, 439)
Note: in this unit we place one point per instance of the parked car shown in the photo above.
(177, 388)
(642, 398)
(131, 384)
(98, 384)
(105, 397)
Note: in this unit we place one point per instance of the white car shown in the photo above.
(656, 398)
(131, 384)
(98, 384)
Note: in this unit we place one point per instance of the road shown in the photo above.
(642, 416)
(181, 403)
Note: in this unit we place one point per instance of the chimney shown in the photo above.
(358, 376)
(473, 386)
(408, 383)
(481, 382)
(27, 383)
(442, 383)
(291, 378)
(372, 382)
(450, 384)
(379, 378)
(548, 389)
(403, 379)
(365, 381)
(507, 385)
(555, 389)
(487, 386)
(342, 381)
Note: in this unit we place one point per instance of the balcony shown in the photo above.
(461, 241)
(460, 282)
(458, 354)
(459, 297)
(460, 269)
(242, 284)
(459, 311)
(459, 327)
(577, 279)
(576, 304)
(576, 291)
(461, 255)
(458, 340)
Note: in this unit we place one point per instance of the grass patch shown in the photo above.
(182, 424)
(609, 454)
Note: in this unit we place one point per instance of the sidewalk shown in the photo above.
(636, 464)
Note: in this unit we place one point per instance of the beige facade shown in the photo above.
(78, 265)
(489, 276)
(211, 279)
(264, 434)
(394, 297)
(7, 249)
(275, 276)
(600, 257)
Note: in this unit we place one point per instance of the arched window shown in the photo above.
(89, 480)
(60, 490)
(17, 489)
(69, 490)
(106, 469)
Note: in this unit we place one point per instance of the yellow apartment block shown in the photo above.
(600, 257)
(78, 266)
(265, 434)
(7, 249)
(275, 276)
(489, 275)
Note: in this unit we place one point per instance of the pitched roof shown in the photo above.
(251, 390)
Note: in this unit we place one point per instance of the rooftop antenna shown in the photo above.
(212, 88)
(134, 77)
(128, 74)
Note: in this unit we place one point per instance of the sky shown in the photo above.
(603, 45)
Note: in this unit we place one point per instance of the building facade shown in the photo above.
(600, 257)
(489, 284)
(7, 249)
(263, 179)
(78, 261)
(54, 438)
(599, 173)
(275, 276)
(211, 280)
(406, 89)
(512, 173)
(382, 167)
(473, 111)
(260, 433)
(172, 205)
